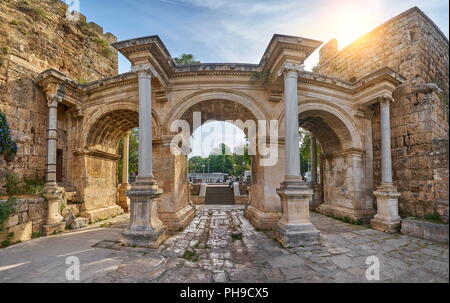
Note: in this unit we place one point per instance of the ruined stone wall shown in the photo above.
(412, 45)
(34, 36)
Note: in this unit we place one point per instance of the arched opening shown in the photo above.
(219, 151)
(103, 190)
(219, 160)
(341, 190)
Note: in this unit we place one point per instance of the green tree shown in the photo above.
(133, 154)
(185, 59)
(221, 161)
(305, 151)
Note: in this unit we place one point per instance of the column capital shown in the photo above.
(144, 70)
(386, 99)
(291, 69)
(54, 94)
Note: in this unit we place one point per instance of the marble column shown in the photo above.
(52, 192)
(124, 201)
(387, 218)
(145, 229)
(316, 199)
(294, 228)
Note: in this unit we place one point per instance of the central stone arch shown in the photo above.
(224, 95)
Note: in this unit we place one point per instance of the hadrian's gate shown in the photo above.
(337, 113)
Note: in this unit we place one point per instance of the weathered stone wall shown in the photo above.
(34, 36)
(27, 221)
(412, 45)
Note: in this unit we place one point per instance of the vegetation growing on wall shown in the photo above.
(6, 210)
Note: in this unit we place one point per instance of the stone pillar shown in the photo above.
(124, 201)
(316, 200)
(294, 228)
(387, 218)
(145, 229)
(52, 192)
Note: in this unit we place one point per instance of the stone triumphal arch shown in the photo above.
(156, 93)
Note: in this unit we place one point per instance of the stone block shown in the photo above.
(12, 221)
(425, 230)
(79, 223)
(21, 232)
(23, 217)
(69, 218)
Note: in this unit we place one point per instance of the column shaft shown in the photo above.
(313, 160)
(291, 124)
(145, 170)
(52, 138)
(386, 161)
(125, 158)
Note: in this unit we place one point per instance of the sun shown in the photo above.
(349, 20)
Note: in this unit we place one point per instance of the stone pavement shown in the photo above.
(220, 245)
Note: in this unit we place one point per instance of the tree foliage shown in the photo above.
(305, 152)
(133, 154)
(221, 160)
(185, 59)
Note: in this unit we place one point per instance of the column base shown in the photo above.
(52, 229)
(387, 218)
(294, 235)
(177, 221)
(295, 228)
(54, 196)
(260, 219)
(146, 229)
(149, 239)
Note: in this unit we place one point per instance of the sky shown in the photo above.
(238, 31)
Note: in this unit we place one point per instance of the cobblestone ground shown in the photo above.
(220, 245)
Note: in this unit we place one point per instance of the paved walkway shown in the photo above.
(220, 245)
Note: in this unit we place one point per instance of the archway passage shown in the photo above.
(342, 190)
(100, 187)
(219, 162)
(105, 133)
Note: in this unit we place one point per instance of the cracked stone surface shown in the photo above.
(224, 247)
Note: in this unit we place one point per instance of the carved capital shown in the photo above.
(289, 68)
(386, 98)
(54, 94)
(144, 70)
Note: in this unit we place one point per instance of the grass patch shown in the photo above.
(236, 236)
(348, 220)
(6, 210)
(7, 242)
(28, 187)
(28, 8)
(190, 255)
(35, 235)
(434, 218)
(104, 47)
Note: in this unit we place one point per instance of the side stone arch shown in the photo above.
(96, 113)
(343, 168)
(347, 133)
